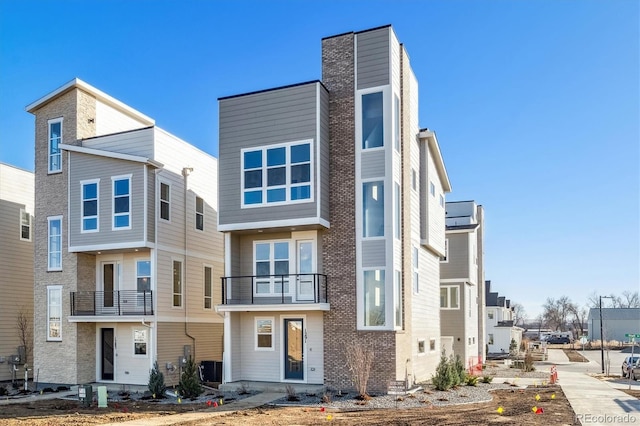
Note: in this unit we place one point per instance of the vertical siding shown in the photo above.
(373, 58)
(111, 120)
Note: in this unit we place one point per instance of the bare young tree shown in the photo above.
(556, 312)
(579, 320)
(629, 299)
(25, 332)
(519, 314)
(359, 362)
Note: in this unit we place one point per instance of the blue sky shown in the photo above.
(536, 104)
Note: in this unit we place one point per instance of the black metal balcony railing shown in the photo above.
(274, 289)
(111, 303)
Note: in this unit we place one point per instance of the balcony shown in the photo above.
(288, 289)
(111, 303)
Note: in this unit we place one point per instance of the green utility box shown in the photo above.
(85, 394)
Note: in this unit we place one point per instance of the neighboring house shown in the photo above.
(500, 328)
(462, 281)
(127, 251)
(616, 322)
(16, 270)
(332, 205)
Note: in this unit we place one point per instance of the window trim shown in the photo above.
(432, 344)
(50, 289)
(60, 141)
(198, 213)
(445, 258)
(272, 260)
(168, 201)
(24, 213)
(432, 188)
(51, 219)
(381, 297)
(204, 287)
(448, 297)
(256, 334)
(173, 293)
(129, 178)
(398, 308)
(146, 342)
(362, 94)
(288, 186)
(82, 200)
(380, 183)
(422, 342)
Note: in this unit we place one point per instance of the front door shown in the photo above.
(293, 349)
(107, 352)
(109, 284)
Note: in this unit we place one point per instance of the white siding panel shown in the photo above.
(138, 142)
(130, 368)
(110, 120)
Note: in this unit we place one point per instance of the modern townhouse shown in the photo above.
(16, 270)
(501, 331)
(126, 246)
(333, 211)
(462, 281)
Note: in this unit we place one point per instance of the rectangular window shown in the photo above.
(54, 312)
(416, 270)
(397, 287)
(432, 189)
(55, 243)
(374, 311)
(396, 123)
(25, 225)
(199, 214)
(271, 268)
(177, 283)
(55, 139)
(490, 314)
(372, 120)
(441, 200)
(89, 206)
(165, 201)
(396, 211)
(264, 334)
(121, 202)
(421, 346)
(432, 344)
(143, 276)
(490, 339)
(140, 342)
(449, 297)
(277, 174)
(414, 180)
(207, 287)
(445, 258)
(373, 209)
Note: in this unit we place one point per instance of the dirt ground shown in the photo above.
(516, 409)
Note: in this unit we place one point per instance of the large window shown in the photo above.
(177, 283)
(373, 209)
(165, 201)
(276, 174)
(121, 202)
(25, 225)
(55, 139)
(54, 312)
(199, 214)
(271, 268)
(207, 287)
(374, 311)
(140, 342)
(264, 334)
(449, 297)
(55, 243)
(372, 120)
(89, 205)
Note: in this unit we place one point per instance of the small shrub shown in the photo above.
(291, 394)
(487, 379)
(359, 362)
(459, 370)
(189, 385)
(444, 378)
(156, 386)
(326, 398)
(472, 380)
(528, 362)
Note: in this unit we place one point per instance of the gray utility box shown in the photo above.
(85, 394)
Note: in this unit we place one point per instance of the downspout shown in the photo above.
(185, 173)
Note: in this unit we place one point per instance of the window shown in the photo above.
(121, 202)
(373, 209)
(432, 189)
(264, 334)
(143, 276)
(199, 214)
(432, 344)
(449, 298)
(271, 268)
(416, 271)
(441, 200)
(89, 206)
(396, 207)
(55, 243)
(140, 342)
(55, 139)
(445, 258)
(469, 341)
(490, 339)
(397, 285)
(374, 310)
(25, 225)
(276, 174)
(396, 123)
(54, 312)
(372, 120)
(490, 314)
(177, 283)
(165, 201)
(207, 287)
(414, 180)
(421, 346)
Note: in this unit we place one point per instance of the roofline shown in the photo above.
(357, 32)
(274, 88)
(111, 154)
(76, 83)
(430, 136)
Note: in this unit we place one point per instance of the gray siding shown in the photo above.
(458, 256)
(151, 204)
(135, 142)
(324, 154)
(85, 167)
(373, 58)
(372, 165)
(373, 253)
(261, 119)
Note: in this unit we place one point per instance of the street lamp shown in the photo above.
(601, 335)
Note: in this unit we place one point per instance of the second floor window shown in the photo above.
(449, 297)
(55, 243)
(271, 267)
(165, 200)
(177, 284)
(55, 139)
(25, 225)
(89, 206)
(372, 120)
(121, 202)
(207, 287)
(199, 214)
(373, 209)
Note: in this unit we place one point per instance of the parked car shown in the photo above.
(635, 371)
(628, 363)
(558, 340)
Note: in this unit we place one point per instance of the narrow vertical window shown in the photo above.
(54, 312)
(300, 180)
(55, 139)
(199, 214)
(414, 180)
(121, 202)
(165, 201)
(432, 189)
(374, 298)
(252, 177)
(441, 200)
(177, 283)
(396, 123)
(397, 289)
(25, 225)
(445, 258)
(416, 270)
(432, 344)
(372, 120)
(55, 243)
(89, 205)
(421, 346)
(207, 287)
(373, 209)
(396, 211)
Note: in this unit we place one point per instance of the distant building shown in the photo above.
(501, 330)
(616, 322)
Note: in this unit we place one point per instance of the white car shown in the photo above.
(628, 363)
